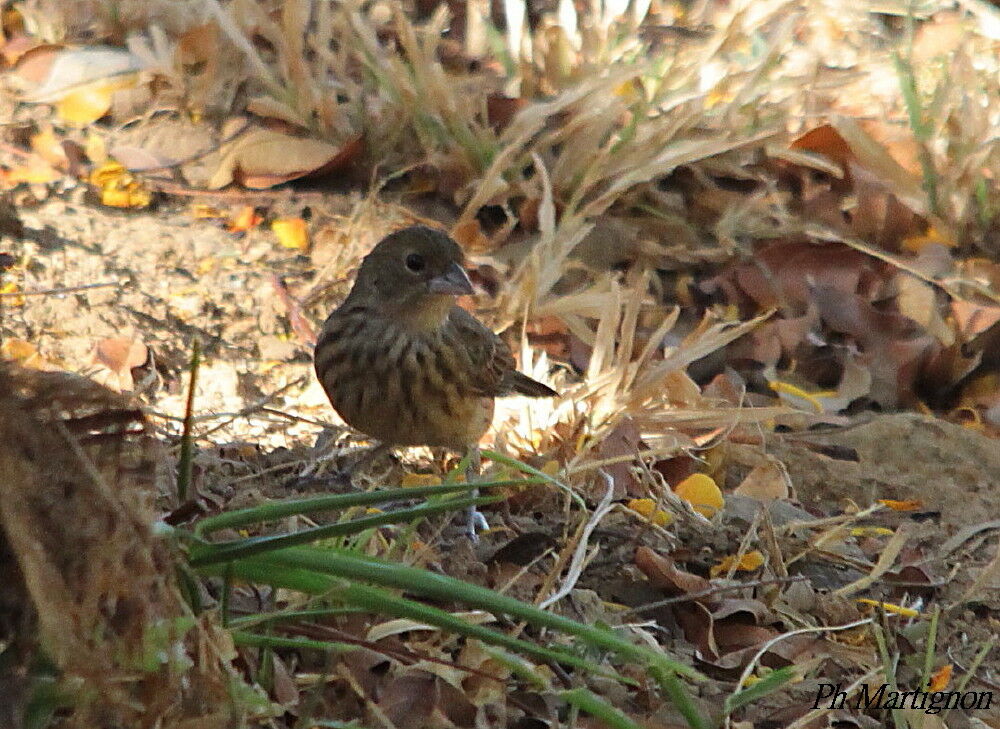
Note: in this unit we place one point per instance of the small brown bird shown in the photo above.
(402, 363)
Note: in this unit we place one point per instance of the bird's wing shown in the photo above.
(493, 373)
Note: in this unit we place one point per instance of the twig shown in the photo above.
(234, 194)
(63, 290)
(970, 671)
(801, 631)
(256, 406)
(580, 557)
(712, 591)
(885, 562)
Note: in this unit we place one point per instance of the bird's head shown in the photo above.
(414, 273)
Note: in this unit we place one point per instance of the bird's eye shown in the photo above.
(415, 262)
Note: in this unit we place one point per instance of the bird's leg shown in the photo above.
(474, 519)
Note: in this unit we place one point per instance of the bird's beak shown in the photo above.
(454, 282)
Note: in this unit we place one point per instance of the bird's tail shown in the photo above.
(518, 383)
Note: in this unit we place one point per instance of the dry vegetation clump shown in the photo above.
(90, 601)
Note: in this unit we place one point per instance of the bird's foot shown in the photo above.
(475, 522)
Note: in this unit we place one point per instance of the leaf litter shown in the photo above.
(739, 233)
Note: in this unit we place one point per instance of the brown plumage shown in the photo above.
(402, 363)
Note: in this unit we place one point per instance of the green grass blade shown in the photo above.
(255, 570)
(289, 616)
(597, 707)
(386, 603)
(930, 649)
(673, 688)
(185, 463)
(255, 640)
(274, 510)
(427, 584)
(203, 553)
(770, 683)
(531, 471)
(519, 667)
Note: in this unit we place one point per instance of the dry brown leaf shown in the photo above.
(23, 353)
(500, 110)
(120, 356)
(827, 141)
(623, 441)
(663, 572)
(263, 158)
(765, 482)
(918, 300)
(80, 81)
(470, 236)
(875, 159)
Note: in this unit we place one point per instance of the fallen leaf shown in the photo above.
(647, 508)
(747, 563)
(291, 233)
(702, 493)
(664, 573)
(905, 505)
(264, 158)
(765, 482)
(9, 289)
(23, 353)
(623, 442)
(827, 141)
(501, 110)
(121, 356)
(941, 678)
(917, 300)
(119, 188)
(246, 218)
(409, 699)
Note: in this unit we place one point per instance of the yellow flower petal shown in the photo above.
(747, 563)
(647, 508)
(905, 505)
(291, 233)
(941, 678)
(702, 493)
(890, 608)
